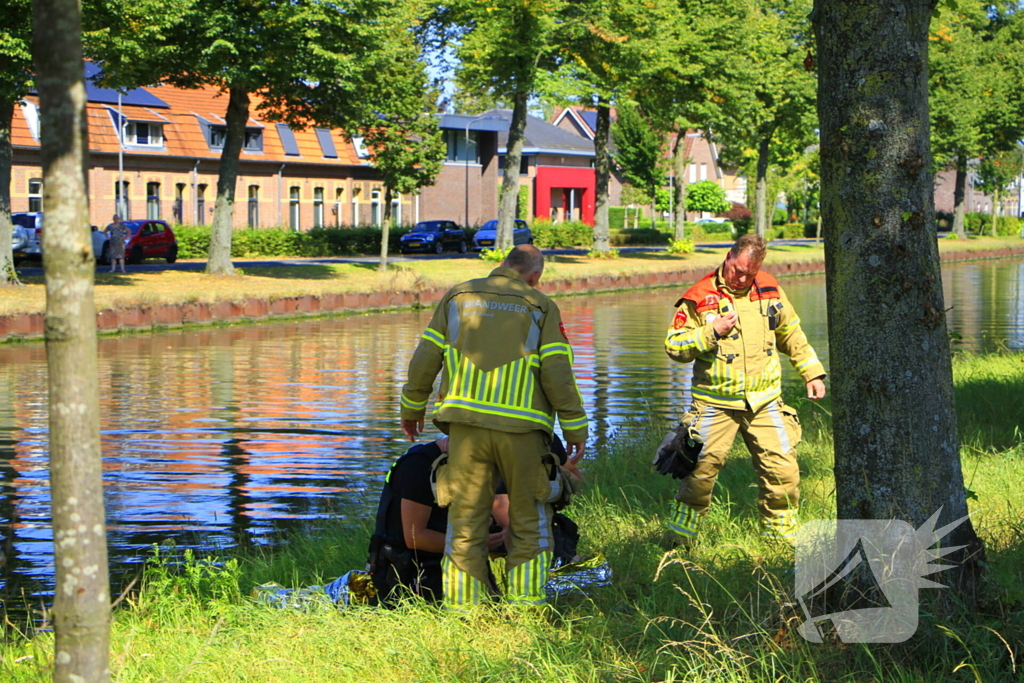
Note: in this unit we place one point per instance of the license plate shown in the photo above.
(486, 243)
(413, 244)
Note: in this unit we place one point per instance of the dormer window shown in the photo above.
(253, 138)
(144, 134)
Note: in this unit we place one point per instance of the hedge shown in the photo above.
(194, 241)
(548, 235)
(639, 237)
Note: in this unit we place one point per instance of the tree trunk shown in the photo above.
(897, 455)
(385, 229)
(510, 182)
(82, 593)
(654, 212)
(996, 195)
(219, 260)
(8, 276)
(762, 217)
(603, 168)
(960, 196)
(679, 191)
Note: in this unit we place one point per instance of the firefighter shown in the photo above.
(507, 373)
(732, 325)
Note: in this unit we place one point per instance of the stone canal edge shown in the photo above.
(29, 326)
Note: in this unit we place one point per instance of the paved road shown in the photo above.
(34, 268)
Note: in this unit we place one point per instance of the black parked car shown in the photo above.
(434, 236)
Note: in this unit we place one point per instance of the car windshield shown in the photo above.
(490, 225)
(132, 225)
(431, 226)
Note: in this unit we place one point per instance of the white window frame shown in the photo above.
(154, 136)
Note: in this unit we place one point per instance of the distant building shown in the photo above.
(170, 145)
(704, 161)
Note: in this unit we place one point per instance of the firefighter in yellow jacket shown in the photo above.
(733, 325)
(507, 374)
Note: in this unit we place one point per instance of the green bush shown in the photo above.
(639, 237)
(680, 247)
(977, 223)
(792, 231)
(716, 228)
(743, 225)
(780, 217)
(194, 241)
(1009, 226)
(548, 235)
(616, 217)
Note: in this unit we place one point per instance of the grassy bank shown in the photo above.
(718, 613)
(176, 287)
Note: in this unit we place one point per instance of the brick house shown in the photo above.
(168, 154)
(703, 154)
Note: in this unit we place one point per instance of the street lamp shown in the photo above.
(468, 124)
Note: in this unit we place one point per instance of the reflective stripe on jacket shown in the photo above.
(742, 369)
(507, 364)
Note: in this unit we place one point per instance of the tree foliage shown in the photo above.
(405, 144)
(697, 85)
(640, 152)
(707, 195)
(15, 77)
(503, 47)
(315, 62)
(773, 120)
(975, 73)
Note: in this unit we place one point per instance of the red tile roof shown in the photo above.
(183, 133)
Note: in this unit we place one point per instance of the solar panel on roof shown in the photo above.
(138, 96)
(287, 135)
(326, 143)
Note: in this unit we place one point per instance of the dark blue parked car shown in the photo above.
(434, 236)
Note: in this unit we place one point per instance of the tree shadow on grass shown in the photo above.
(305, 272)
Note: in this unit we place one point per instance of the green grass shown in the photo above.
(720, 613)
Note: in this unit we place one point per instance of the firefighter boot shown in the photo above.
(781, 525)
(526, 581)
(461, 591)
(682, 527)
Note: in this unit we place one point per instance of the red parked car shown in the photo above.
(146, 239)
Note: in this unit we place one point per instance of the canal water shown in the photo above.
(233, 436)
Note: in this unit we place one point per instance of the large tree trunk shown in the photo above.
(82, 593)
(385, 229)
(219, 260)
(679, 191)
(8, 276)
(960, 195)
(762, 217)
(896, 450)
(603, 168)
(510, 182)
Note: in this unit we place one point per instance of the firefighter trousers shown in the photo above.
(771, 435)
(477, 457)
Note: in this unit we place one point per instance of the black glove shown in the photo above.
(678, 453)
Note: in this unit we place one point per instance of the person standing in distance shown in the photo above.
(507, 373)
(732, 325)
(118, 233)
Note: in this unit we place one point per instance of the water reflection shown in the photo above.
(230, 435)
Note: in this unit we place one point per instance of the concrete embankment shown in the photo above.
(28, 326)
